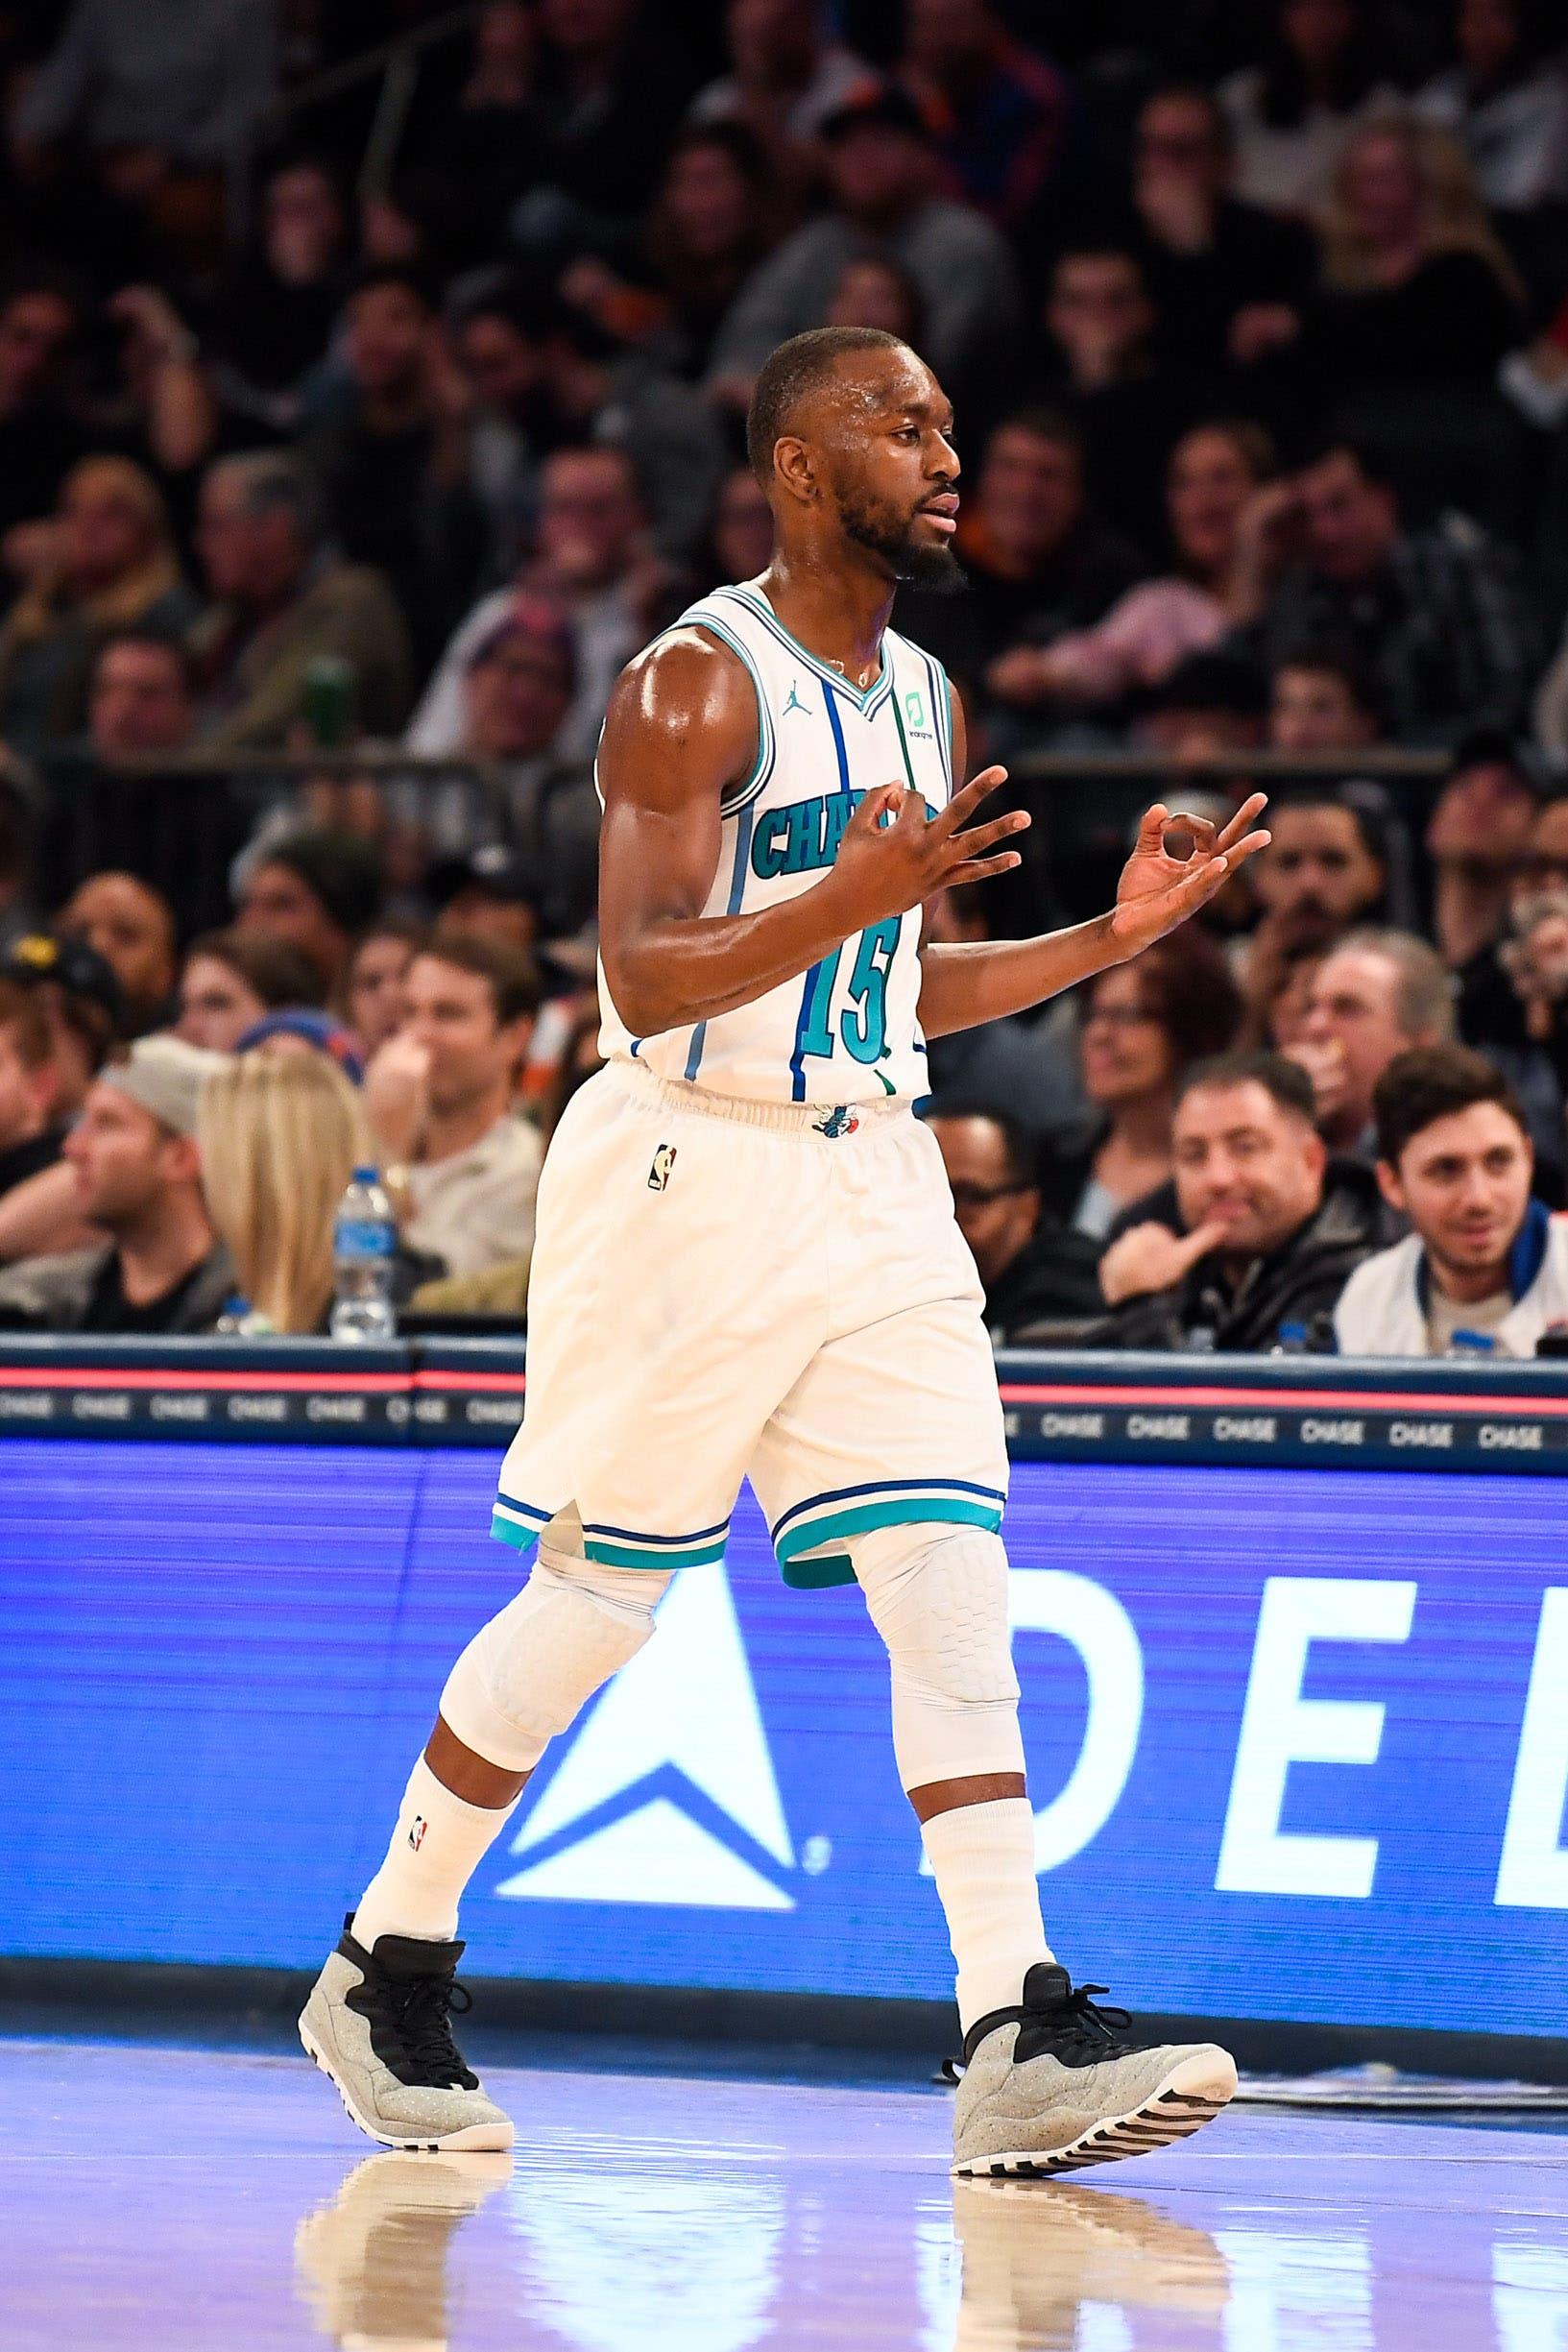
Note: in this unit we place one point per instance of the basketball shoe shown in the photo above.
(1056, 2084)
(379, 2023)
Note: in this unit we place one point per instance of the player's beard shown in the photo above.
(915, 563)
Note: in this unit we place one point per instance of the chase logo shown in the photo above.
(667, 1794)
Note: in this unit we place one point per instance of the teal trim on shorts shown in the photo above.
(508, 1532)
(638, 1556)
(815, 1575)
(895, 1511)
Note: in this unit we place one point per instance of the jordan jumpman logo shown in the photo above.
(794, 703)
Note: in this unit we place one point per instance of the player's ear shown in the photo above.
(795, 467)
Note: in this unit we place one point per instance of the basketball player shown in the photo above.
(747, 1265)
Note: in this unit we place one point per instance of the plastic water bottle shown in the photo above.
(1294, 1340)
(1472, 1347)
(364, 1239)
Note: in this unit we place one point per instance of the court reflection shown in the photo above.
(1048, 2266)
(372, 2263)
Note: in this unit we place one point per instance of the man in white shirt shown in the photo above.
(1483, 1258)
(462, 1168)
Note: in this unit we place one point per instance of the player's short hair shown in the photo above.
(1285, 1082)
(1431, 1082)
(793, 371)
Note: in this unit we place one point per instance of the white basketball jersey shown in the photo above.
(846, 1031)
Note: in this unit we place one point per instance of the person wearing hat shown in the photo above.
(884, 178)
(138, 1181)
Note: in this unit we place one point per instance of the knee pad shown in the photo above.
(938, 1598)
(527, 1674)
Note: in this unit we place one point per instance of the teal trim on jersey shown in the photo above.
(866, 700)
(904, 746)
(892, 1510)
(744, 819)
(611, 1555)
(767, 748)
(941, 711)
(816, 1575)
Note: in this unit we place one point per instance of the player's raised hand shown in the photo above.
(1163, 880)
(894, 856)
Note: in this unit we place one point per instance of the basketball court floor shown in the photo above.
(154, 2198)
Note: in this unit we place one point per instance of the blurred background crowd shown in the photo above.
(373, 386)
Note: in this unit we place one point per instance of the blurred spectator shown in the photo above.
(1416, 288)
(708, 229)
(163, 90)
(1039, 561)
(278, 308)
(1375, 994)
(462, 1168)
(999, 111)
(1482, 1258)
(1144, 1023)
(594, 558)
(231, 979)
(279, 1137)
(1255, 1237)
(282, 602)
(1480, 830)
(1551, 711)
(40, 439)
(1506, 98)
(31, 1129)
(317, 892)
(1324, 870)
(393, 460)
(1277, 1011)
(1435, 619)
(1214, 471)
(1033, 1271)
(488, 896)
(1291, 115)
(740, 541)
(1101, 370)
(305, 1032)
(133, 927)
(1221, 271)
(18, 846)
(611, 81)
(787, 78)
(81, 1003)
(884, 188)
(580, 1058)
(1318, 703)
(138, 1178)
(1513, 995)
(1027, 1062)
(139, 697)
(874, 290)
(108, 564)
(372, 995)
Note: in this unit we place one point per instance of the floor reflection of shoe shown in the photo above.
(1056, 2084)
(378, 2024)
(1032, 2256)
(372, 2260)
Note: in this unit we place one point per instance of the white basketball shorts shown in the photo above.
(723, 1289)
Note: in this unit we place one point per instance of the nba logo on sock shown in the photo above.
(416, 1833)
(663, 1160)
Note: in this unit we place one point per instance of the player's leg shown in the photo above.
(379, 2020)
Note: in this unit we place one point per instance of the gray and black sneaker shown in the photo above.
(379, 2023)
(1057, 2083)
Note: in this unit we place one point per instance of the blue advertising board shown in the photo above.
(1297, 1737)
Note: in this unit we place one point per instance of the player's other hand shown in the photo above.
(1177, 864)
(894, 856)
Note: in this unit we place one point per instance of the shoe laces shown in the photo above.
(1078, 2023)
(421, 2009)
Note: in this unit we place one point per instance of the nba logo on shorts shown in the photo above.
(664, 1161)
(416, 1831)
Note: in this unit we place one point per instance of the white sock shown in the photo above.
(437, 1846)
(982, 1857)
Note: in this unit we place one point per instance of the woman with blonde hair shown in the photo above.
(1416, 288)
(281, 1134)
(108, 565)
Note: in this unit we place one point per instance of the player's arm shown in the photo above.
(963, 983)
(681, 731)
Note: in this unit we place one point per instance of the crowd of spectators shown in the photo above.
(354, 433)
